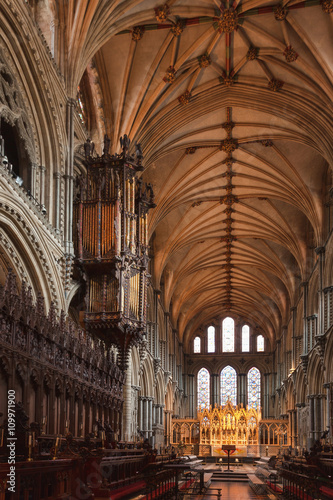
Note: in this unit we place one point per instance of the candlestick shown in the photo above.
(30, 459)
(56, 448)
(44, 421)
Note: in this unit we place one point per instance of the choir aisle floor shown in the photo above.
(231, 491)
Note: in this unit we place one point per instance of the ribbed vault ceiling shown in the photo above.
(233, 107)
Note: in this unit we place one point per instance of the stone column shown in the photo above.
(57, 181)
(291, 427)
(295, 431)
(319, 415)
(242, 389)
(140, 413)
(278, 362)
(311, 438)
(127, 408)
(42, 171)
(214, 378)
(162, 414)
(33, 179)
(320, 251)
(150, 415)
(293, 348)
(145, 416)
(305, 314)
(328, 408)
(297, 418)
(68, 231)
(191, 394)
(266, 395)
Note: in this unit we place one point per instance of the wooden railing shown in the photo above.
(306, 480)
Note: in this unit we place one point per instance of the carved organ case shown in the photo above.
(111, 244)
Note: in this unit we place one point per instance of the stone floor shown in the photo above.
(231, 491)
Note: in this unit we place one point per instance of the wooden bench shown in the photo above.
(257, 484)
(207, 479)
(275, 487)
(326, 491)
(263, 473)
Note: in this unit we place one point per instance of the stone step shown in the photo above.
(230, 479)
(230, 476)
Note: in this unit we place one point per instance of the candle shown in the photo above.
(30, 440)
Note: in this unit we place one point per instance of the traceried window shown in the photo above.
(253, 388)
(228, 385)
(197, 345)
(246, 338)
(203, 388)
(228, 335)
(211, 339)
(260, 343)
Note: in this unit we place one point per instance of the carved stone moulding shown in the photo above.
(228, 81)
(190, 150)
(170, 74)
(178, 28)
(204, 60)
(228, 239)
(228, 21)
(228, 145)
(327, 6)
(185, 98)
(137, 33)
(228, 126)
(275, 85)
(290, 54)
(229, 199)
(267, 143)
(161, 13)
(280, 12)
(252, 54)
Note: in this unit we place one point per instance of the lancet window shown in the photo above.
(228, 335)
(246, 338)
(260, 343)
(228, 386)
(253, 388)
(197, 345)
(203, 388)
(211, 339)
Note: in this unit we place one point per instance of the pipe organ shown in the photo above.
(111, 244)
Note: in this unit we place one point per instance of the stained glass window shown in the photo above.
(245, 338)
(203, 388)
(228, 385)
(260, 343)
(211, 339)
(197, 345)
(253, 388)
(228, 327)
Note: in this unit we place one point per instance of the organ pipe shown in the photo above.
(111, 241)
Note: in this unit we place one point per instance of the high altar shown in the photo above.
(229, 425)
